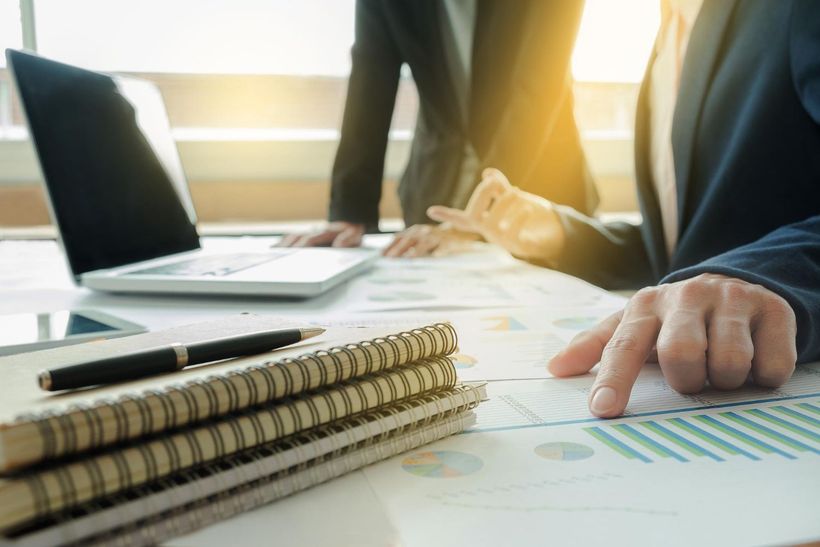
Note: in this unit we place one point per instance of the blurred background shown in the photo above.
(255, 92)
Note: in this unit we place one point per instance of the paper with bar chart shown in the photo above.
(726, 461)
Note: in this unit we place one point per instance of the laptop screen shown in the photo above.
(117, 190)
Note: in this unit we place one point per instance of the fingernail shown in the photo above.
(603, 400)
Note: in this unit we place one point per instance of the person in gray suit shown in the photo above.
(494, 89)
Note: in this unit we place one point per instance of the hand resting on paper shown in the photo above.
(524, 224)
(417, 240)
(709, 327)
(428, 239)
(335, 234)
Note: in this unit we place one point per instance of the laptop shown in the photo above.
(119, 198)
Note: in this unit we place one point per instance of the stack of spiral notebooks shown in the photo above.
(145, 461)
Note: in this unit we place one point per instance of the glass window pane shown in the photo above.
(11, 31)
(199, 36)
(615, 40)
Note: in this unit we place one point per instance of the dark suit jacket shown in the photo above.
(746, 140)
(520, 115)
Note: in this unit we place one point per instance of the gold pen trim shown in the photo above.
(44, 379)
(182, 355)
(310, 332)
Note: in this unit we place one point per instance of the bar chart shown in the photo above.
(787, 431)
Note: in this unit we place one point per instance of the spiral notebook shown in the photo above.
(40, 493)
(291, 464)
(36, 426)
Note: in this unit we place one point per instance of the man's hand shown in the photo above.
(335, 234)
(427, 239)
(710, 327)
(524, 224)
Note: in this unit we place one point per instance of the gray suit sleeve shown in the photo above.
(371, 94)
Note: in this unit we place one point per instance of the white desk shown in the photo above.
(520, 495)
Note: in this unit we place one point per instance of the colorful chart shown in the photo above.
(505, 323)
(564, 451)
(441, 464)
(461, 360)
(576, 323)
(400, 296)
(783, 431)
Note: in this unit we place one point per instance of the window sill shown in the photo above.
(271, 154)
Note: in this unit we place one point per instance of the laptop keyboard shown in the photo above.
(216, 266)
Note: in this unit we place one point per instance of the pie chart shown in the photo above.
(462, 361)
(441, 464)
(564, 451)
(576, 323)
(505, 323)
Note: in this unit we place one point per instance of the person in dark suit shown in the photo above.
(494, 89)
(731, 249)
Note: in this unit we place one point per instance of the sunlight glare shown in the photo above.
(615, 40)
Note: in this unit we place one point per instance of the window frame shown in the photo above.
(268, 155)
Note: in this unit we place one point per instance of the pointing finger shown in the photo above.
(624, 356)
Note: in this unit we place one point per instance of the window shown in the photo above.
(255, 88)
(11, 30)
(11, 36)
(308, 37)
(614, 40)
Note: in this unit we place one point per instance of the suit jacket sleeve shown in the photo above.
(611, 255)
(540, 83)
(371, 94)
(787, 260)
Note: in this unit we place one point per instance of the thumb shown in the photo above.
(585, 350)
(456, 217)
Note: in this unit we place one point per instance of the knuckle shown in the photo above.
(641, 323)
(736, 292)
(626, 339)
(732, 358)
(645, 298)
(732, 326)
(622, 343)
(778, 310)
(774, 374)
(612, 376)
(692, 291)
(681, 352)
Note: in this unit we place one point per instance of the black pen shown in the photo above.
(168, 358)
